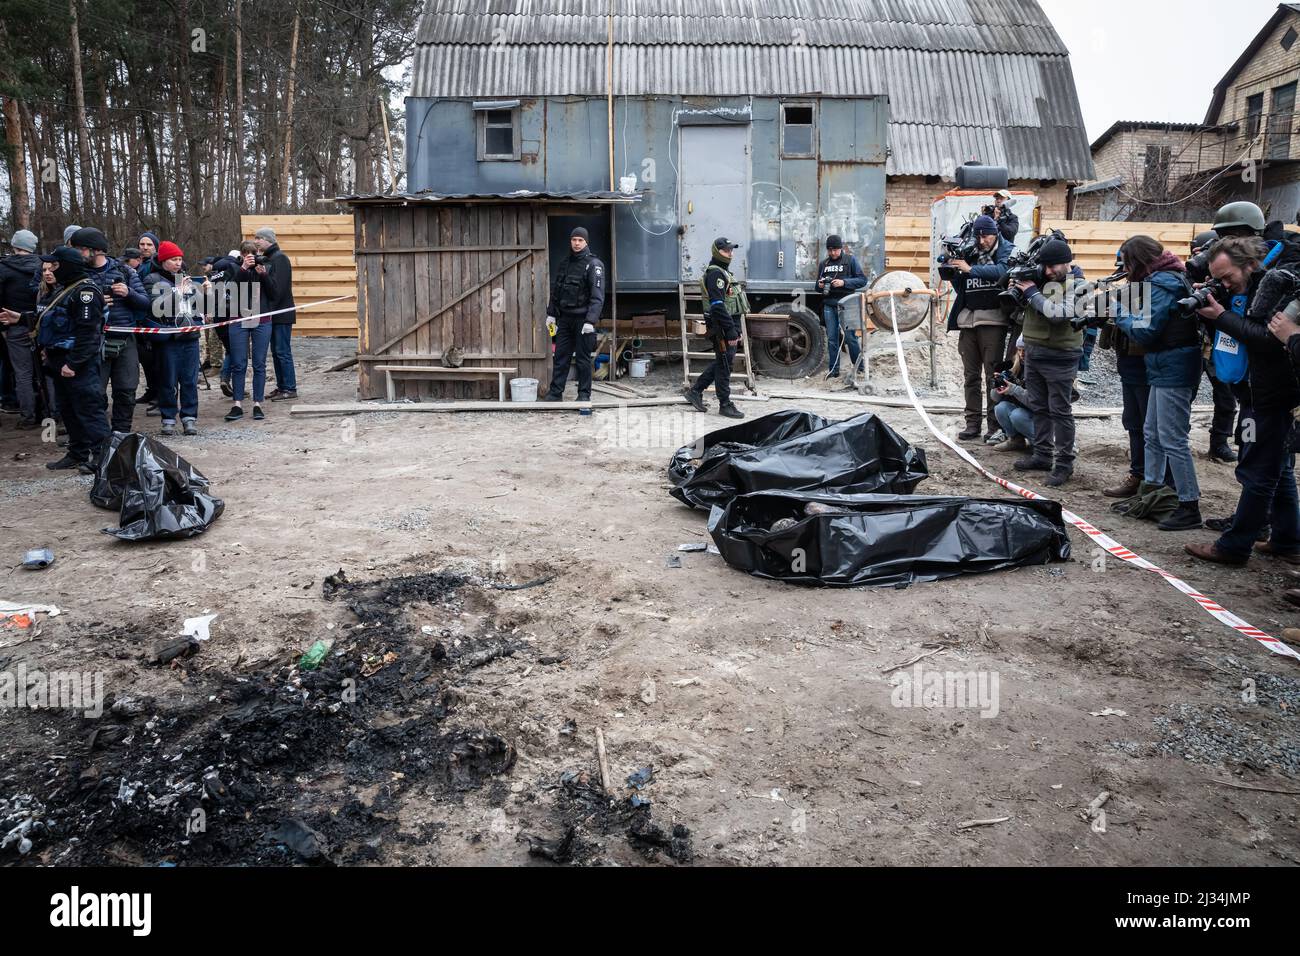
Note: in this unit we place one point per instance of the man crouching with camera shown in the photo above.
(1253, 295)
(1053, 346)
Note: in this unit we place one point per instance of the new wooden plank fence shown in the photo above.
(322, 249)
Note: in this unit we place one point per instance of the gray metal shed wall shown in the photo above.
(795, 203)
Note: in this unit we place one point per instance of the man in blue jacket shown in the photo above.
(980, 322)
(127, 302)
(838, 276)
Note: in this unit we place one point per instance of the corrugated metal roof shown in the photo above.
(518, 195)
(975, 25)
(985, 79)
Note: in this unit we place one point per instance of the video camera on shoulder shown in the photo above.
(963, 246)
(1025, 266)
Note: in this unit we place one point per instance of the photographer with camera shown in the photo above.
(1170, 339)
(1000, 212)
(980, 321)
(1266, 469)
(1053, 334)
(273, 272)
(838, 275)
(1225, 403)
(1012, 398)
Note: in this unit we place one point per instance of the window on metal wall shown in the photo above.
(798, 130)
(498, 134)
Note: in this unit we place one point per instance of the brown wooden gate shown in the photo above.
(436, 276)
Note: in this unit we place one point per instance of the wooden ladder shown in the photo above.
(689, 292)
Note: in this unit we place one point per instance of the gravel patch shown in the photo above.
(40, 486)
(1218, 735)
(416, 520)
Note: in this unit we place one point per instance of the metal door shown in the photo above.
(714, 195)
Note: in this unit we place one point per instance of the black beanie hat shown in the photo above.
(579, 233)
(1055, 252)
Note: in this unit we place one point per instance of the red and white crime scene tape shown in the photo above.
(1104, 541)
(261, 317)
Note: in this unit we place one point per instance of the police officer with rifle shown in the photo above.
(727, 303)
(70, 334)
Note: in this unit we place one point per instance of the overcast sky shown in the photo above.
(1137, 60)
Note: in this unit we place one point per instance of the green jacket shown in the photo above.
(1047, 322)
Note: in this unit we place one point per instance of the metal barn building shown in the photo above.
(772, 123)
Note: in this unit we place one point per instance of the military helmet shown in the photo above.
(1239, 214)
(1204, 239)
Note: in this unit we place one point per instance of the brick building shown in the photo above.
(1248, 146)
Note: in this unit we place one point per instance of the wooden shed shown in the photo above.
(470, 273)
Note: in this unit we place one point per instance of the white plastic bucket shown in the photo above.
(638, 367)
(523, 390)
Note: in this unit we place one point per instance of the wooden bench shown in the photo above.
(438, 372)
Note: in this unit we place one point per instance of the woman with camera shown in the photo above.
(172, 293)
(255, 333)
(1170, 337)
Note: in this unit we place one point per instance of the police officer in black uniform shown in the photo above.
(727, 303)
(70, 335)
(577, 297)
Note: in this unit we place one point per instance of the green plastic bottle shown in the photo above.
(315, 654)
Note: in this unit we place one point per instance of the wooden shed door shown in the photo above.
(435, 277)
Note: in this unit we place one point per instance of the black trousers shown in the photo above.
(1049, 377)
(572, 346)
(122, 373)
(718, 372)
(85, 412)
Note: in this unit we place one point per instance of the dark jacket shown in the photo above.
(1272, 378)
(19, 277)
(233, 294)
(126, 311)
(982, 278)
(81, 312)
(1008, 224)
(276, 285)
(1170, 337)
(578, 288)
(721, 320)
(168, 308)
(846, 267)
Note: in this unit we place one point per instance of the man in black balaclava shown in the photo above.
(69, 334)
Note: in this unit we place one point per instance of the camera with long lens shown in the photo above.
(1025, 267)
(1102, 315)
(963, 246)
(1201, 298)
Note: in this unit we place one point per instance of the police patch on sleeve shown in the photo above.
(87, 296)
(720, 284)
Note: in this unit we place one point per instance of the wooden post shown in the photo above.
(388, 142)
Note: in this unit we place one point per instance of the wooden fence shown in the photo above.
(907, 241)
(321, 251)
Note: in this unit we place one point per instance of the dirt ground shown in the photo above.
(764, 709)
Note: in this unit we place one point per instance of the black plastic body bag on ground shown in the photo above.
(791, 451)
(884, 540)
(157, 493)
